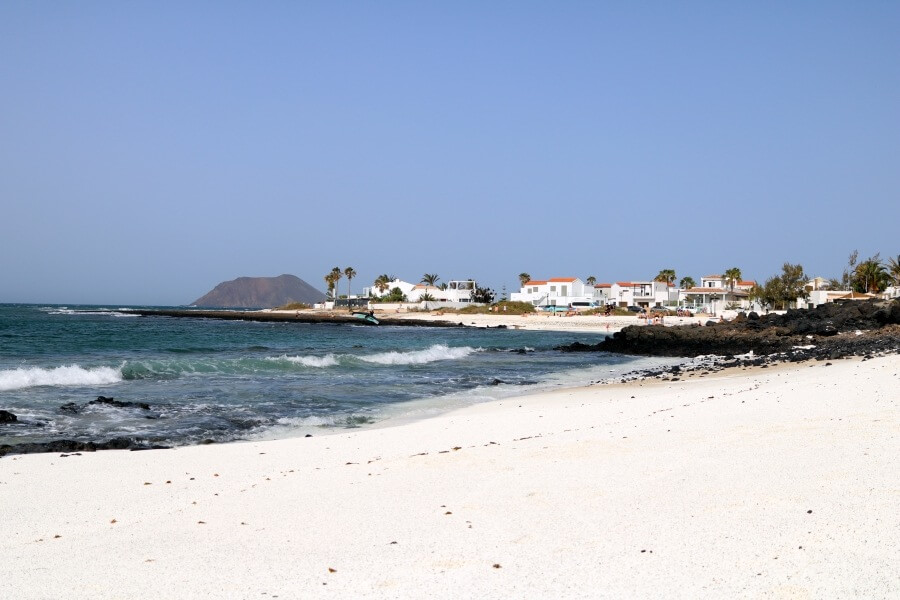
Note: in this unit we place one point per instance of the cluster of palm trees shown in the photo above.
(335, 275)
(869, 276)
(668, 276)
(732, 277)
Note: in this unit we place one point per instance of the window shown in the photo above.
(564, 290)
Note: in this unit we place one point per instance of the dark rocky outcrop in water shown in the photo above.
(830, 328)
(71, 407)
(7, 417)
(260, 292)
(121, 443)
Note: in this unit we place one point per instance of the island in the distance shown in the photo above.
(260, 292)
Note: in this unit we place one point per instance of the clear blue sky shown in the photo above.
(150, 150)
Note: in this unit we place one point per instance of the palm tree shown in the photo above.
(430, 279)
(591, 280)
(894, 269)
(524, 278)
(336, 274)
(349, 273)
(687, 282)
(329, 281)
(426, 298)
(382, 283)
(666, 276)
(870, 276)
(733, 276)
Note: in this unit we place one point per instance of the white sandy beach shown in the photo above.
(765, 483)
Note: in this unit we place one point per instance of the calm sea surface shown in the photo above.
(227, 380)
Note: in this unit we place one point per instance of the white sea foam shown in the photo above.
(16, 379)
(329, 360)
(419, 357)
(107, 312)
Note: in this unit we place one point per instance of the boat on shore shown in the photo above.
(368, 317)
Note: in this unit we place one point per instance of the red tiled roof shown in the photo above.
(562, 279)
(746, 283)
(536, 283)
(603, 285)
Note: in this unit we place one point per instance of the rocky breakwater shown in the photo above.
(829, 331)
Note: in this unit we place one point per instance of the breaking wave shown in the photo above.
(329, 360)
(419, 357)
(17, 379)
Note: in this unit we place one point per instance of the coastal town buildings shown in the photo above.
(713, 294)
(819, 293)
(457, 291)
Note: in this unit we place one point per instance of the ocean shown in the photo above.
(188, 381)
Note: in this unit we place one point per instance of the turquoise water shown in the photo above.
(226, 380)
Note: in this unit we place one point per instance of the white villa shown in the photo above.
(558, 291)
(715, 294)
(645, 294)
(455, 292)
(571, 291)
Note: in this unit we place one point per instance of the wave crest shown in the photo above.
(329, 360)
(419, 357)
(17, 379)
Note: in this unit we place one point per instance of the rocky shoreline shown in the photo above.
(830, 331)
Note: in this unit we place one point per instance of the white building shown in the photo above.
(639, 293)
(558, 291)
(455, 292)
(713, 294)
(374, 292)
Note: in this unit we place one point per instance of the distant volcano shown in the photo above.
(260, 292)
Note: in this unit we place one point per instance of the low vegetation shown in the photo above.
(507, 307)
(294, 306)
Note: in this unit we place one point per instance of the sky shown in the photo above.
(151, 150)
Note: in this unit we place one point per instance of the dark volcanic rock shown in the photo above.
(71, 407)
(830, 328)
(119, 404)
(120, 443)
(260, 292)
(7, 417)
